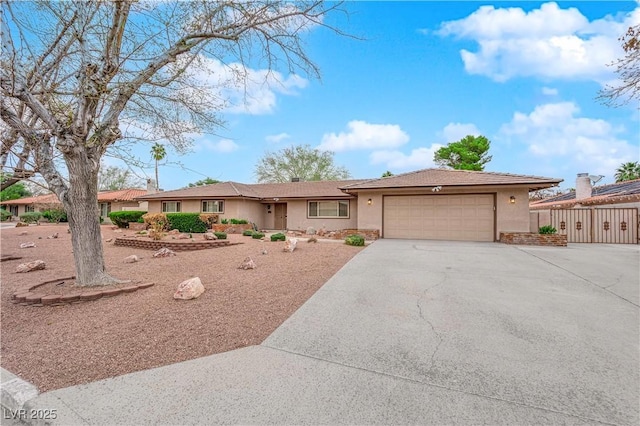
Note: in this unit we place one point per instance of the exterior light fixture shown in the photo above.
(512, 199)
(369, 201)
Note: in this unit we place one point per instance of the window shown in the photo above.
(29, 209)
(105, 209)
(329, 208)
(213, 206)
(171, 206)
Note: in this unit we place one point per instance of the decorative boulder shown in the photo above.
(183, 236)
(131, 259)
(52, 237)
(21, 224)
(173, 232)
(210, 236)
(311, 230)
(31, 266)
(248, 264)
(290, 244)
(108, 240)
(322, 232)
(27, 245)
(189, 289)
(164, 252)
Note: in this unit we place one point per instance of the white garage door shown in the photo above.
(439, 217)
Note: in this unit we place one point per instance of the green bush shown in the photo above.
(31, 217)
(547, 229)
(55, 216)
(257, 235)
(5, 215)
(278, 237)
(224, 221)
(221, 235)
(238, 221)
(354, 240)
(248, 233)
(186, 222)
(122, 218)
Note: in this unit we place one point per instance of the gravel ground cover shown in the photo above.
(59, 346)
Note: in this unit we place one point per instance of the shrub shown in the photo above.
(547, 229)
(209, 218)
(224, 221)
(157, 222)
(248, 233)
(122, 218)
(354, 240)
(278, 237)
(238, 221)
(140, 220)
(31, 217)
(257, 235)
(221, 235)
(55, 216)
(5, 215)
(186, 222)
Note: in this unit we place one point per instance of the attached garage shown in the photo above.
(463, 217)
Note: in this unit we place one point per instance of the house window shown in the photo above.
(328, 209)
(216, 206)
(171, 206)
(29, 209)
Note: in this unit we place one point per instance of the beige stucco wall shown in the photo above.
(512, 217)
(297, 217)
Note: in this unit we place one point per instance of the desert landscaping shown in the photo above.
(69, 344)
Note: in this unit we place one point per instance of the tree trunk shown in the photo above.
(157, 181)
(81, 204)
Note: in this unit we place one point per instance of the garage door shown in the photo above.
(439, 217)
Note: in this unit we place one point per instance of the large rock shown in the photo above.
(189, 289)
(131, 259)
(311, 230)
(21, 224)
(210, 236)
(290, 244)
(28, 245)
(164, 252)
(248, 264)
(31, 266)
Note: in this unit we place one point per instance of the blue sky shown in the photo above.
(523, 74)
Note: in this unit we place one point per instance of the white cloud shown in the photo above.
(277, 138)
(363, 135)
(548, 42)
(549, 91)
(245, 90)
(222, 146)
(555, 134)
(453, 132)
(419, 158)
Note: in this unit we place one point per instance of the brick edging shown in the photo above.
(533, 239)
(171, 245)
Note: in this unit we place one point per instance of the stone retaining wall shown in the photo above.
(532, 239)
(171, 245)
(341, 234)
(231, 228)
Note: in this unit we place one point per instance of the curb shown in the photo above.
(14, 395)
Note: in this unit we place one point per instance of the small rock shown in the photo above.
(311, 230)
(312, 239)
(28, 245)
(248, 263)
(113, 228)
(174, 232)
(322, 232)
(39, 238)
(210, 236)
(21, 224)
(290, 244)
(68, 230)
(52, 237)
(118, 231)
(164, 252)
(189, 289)
(183, 236)
(264, 251)
(23, 233)
(108, 240)
(131, 259)
(31, 266)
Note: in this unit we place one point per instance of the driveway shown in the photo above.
(416, 332)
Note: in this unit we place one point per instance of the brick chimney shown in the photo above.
(583, 186)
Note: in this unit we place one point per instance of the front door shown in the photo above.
(280, 219)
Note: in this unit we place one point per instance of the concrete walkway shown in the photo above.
(415, 332)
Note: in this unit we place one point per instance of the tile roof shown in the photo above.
(448, 177)
(620, 192)
(313, 189)
(103, 197)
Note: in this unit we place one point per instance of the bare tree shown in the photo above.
(628, 70)
(79, 77)
(111, 178)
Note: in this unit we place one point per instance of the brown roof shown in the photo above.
(448, 177)
(103, 197)
(613, 193)
(314, 189)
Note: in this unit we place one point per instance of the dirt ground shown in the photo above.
(60, 346)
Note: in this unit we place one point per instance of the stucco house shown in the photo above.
(437, 204)
(125, 199)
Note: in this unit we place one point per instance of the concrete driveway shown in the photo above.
(416, 332)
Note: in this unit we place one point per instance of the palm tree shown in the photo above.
(158, 152)
(628, 171)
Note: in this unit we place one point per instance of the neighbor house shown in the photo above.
(108, 201)
(437, 204)
(600, 214)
